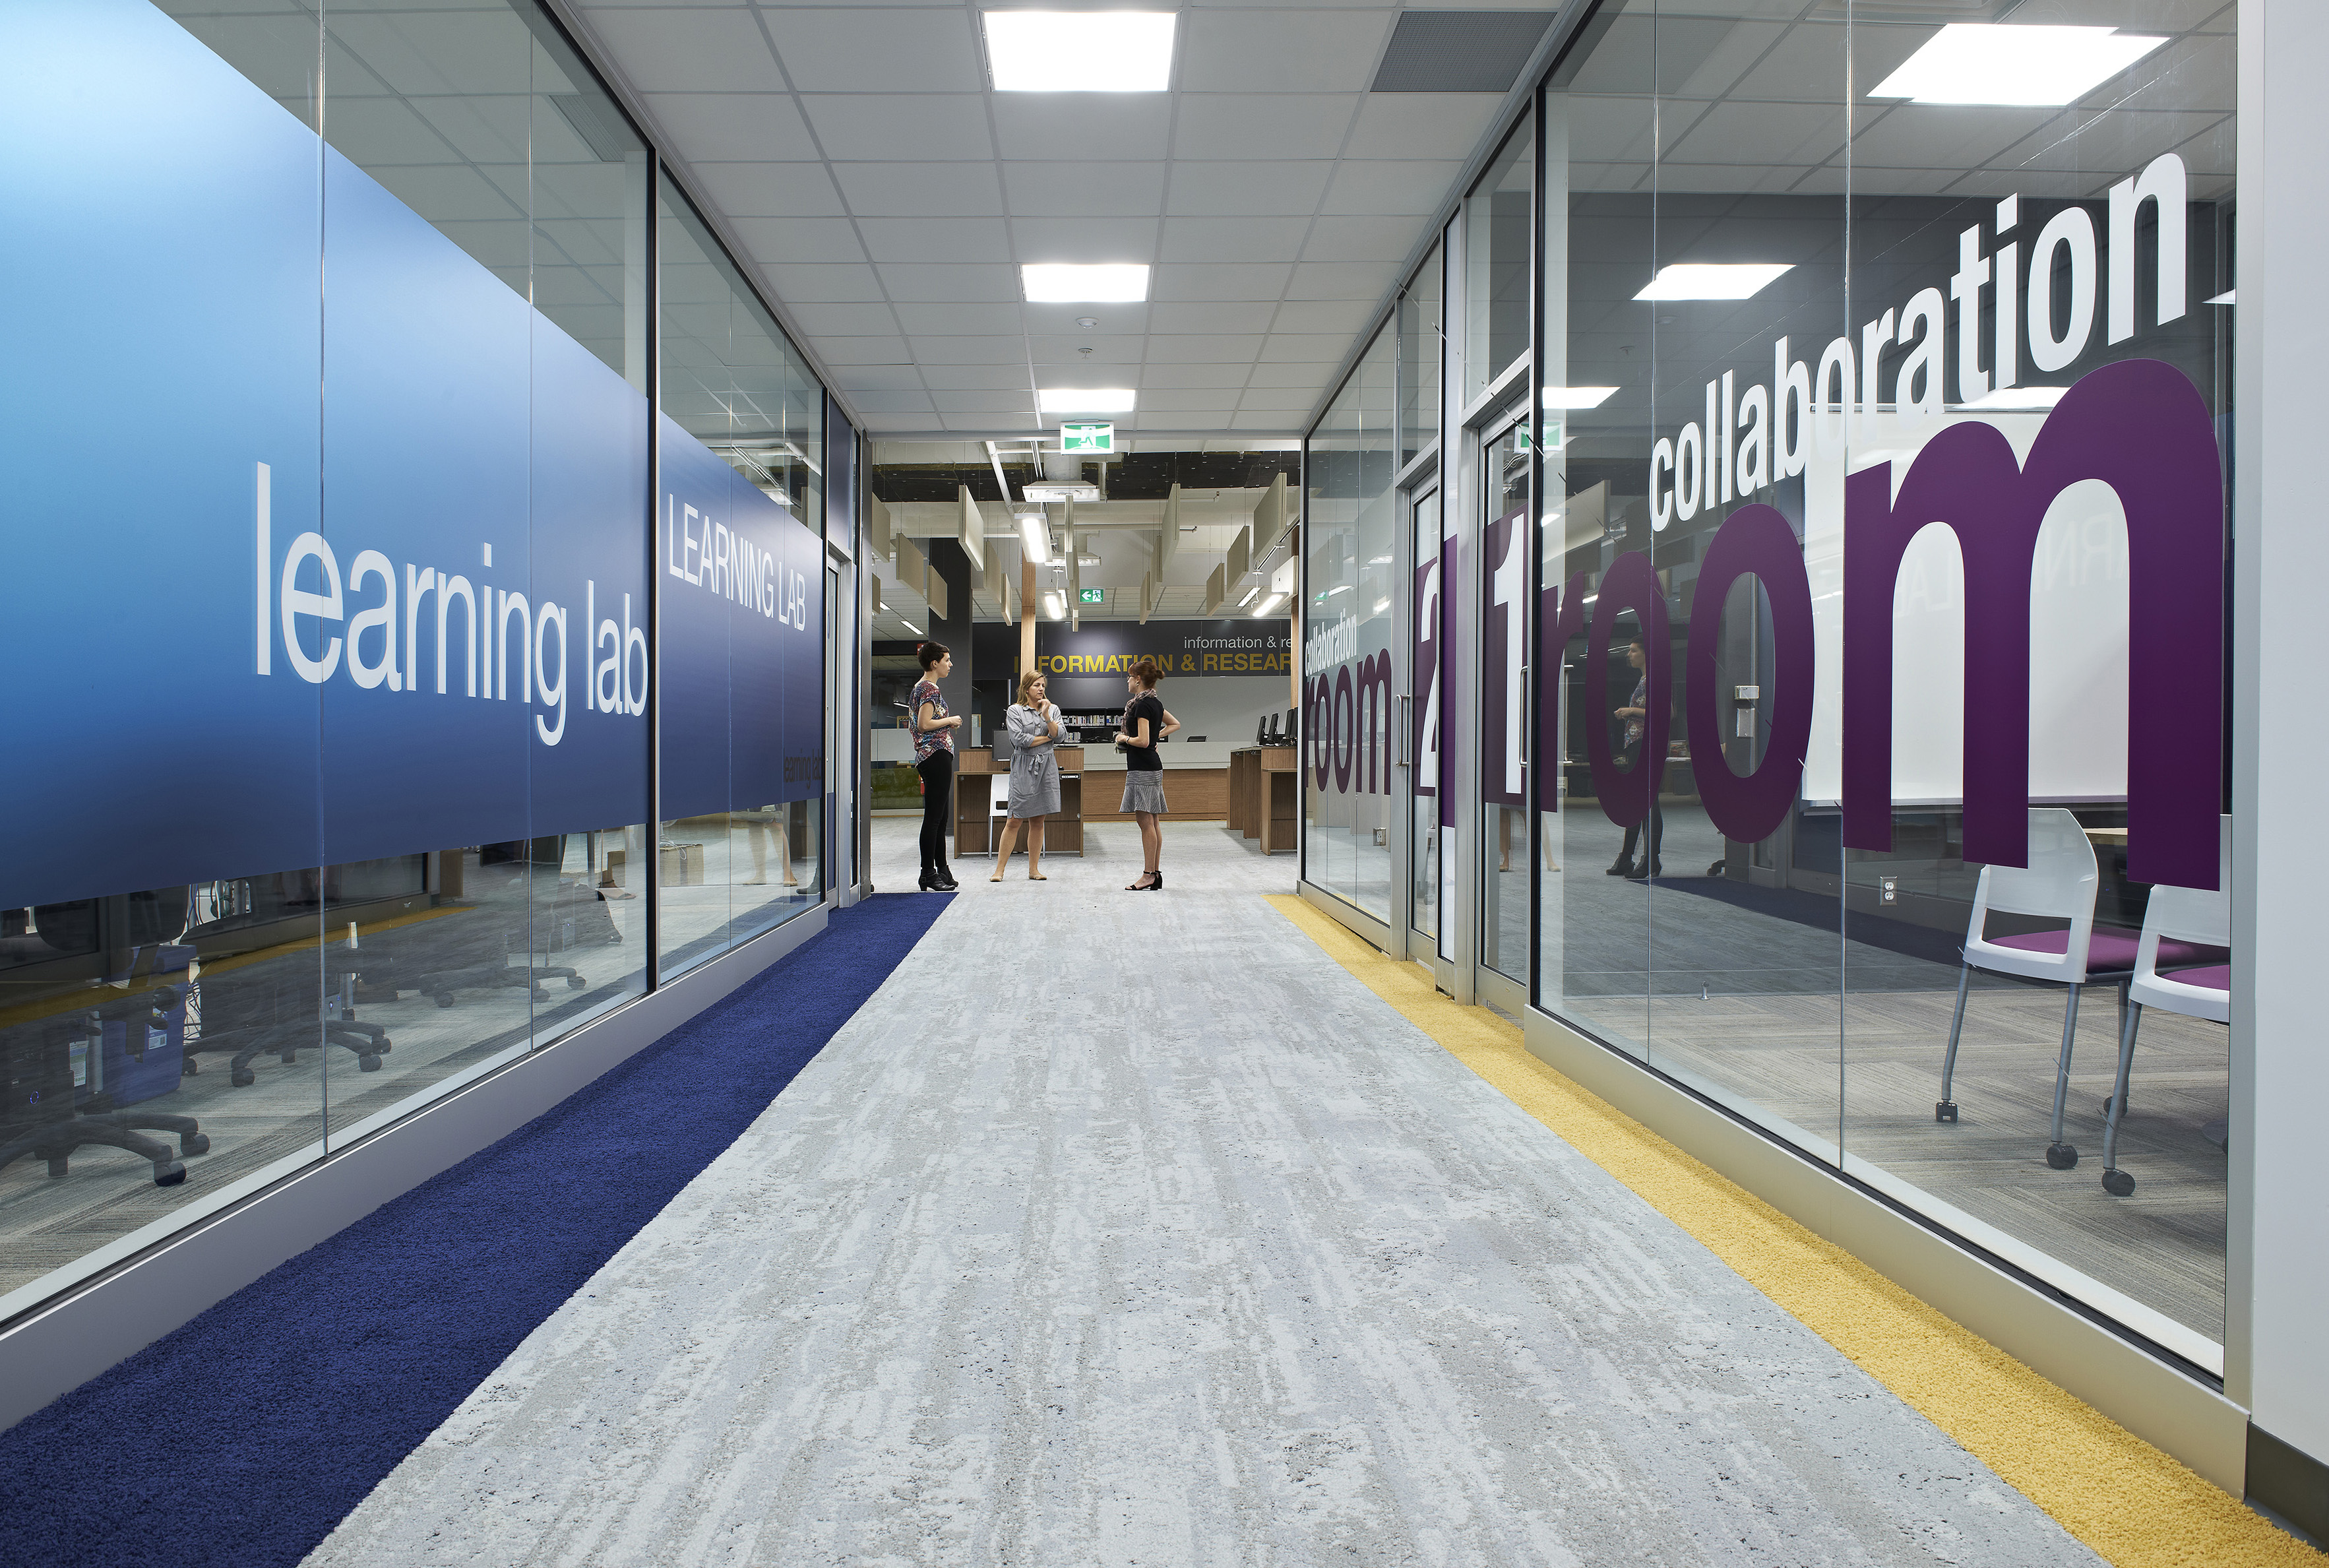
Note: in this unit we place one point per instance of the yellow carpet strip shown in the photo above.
(2134, 1505)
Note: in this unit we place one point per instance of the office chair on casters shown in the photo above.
(575, 916)
(2178, 920)
(133, 1051)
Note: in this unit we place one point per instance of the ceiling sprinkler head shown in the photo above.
(1085, 350)
(1087, 322)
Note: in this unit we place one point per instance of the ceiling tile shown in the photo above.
(1063, 319)
(1200, 348)
(940, 127)
(1264, 125)
(686, 49)
(935, 240)
(1066, 348)
(1282, 400)
(950, 284)
(913, 190)
(970, 350)
(1389, 186)
(959, 320)
(1020, 402)
(1081, 190)
(1350, 317)
(797, 283)
(870, 323)
(1242, 316)
(1342, 280)
(762, 190)
(1232, 239)
(977, 378)
(1166, 400)
(722, 125)
(1421, 125)
(1277, 51)
(1361, 239)
(1259, 189)
(1297, 347)
(1083, 125)
(1764, 134)
(854, 50)
(1198, 281)
(896, 401)
(876, 377)
(1311, 378)
(1017, 423)
(1290, 423)
(839, 350)
(1200, 373)
(1085, 239)
(798, 238)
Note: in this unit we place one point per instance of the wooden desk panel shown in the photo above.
(976, 826)
(1195, 794)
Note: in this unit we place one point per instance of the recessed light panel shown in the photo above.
(2003, 63)
(1577, 397)
(1079, 50)
(1085, 400)
(1080, 283)
(1712, 280)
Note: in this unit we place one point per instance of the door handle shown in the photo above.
(1406, 731)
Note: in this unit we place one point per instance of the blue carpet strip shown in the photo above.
(243, 1438)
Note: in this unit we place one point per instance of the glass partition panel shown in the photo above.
(1421, 342)
(1426, 720)
(1502, 688)
(741, 559)
(1496, 264)
(1349, 543)
(1877, 424)
(2045, 337)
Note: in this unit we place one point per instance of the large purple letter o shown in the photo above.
(1757, 540)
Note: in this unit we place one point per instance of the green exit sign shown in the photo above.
(1090, 436)
(1094, 596)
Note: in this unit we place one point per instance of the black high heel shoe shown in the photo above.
(931, 884)
(1135, 886)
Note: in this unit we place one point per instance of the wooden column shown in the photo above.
(1026, 620)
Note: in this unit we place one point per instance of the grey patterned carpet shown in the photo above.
(1129, 1229)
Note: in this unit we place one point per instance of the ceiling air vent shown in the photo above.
(1459, 51)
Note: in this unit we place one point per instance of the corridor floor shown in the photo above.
(1127, 1228)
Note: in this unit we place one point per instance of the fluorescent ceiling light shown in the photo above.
(1035, 536)
(1079, 50)
(909, 625)
(1580, 397)
(1999, 62)
(1378, 561)
(1712, 280)
(1272, 602)
(1249, 597)
(2223, 299)
(1079, 283)
(1085, 400)
(2019, 397)
(1056, 604)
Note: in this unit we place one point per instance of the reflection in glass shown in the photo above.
(1496, 264)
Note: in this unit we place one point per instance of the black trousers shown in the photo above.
(1657, 821)
(937, 795)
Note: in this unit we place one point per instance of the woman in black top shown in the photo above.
(1146, 722)
(934, 730)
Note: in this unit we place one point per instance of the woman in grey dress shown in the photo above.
(1034, 725)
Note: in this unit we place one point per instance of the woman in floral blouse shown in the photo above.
(934, 761)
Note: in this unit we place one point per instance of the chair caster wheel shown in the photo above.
(444, 999)
(1944, 1111)
(367, 1064)
(2118, 1183)
(194, 1143)
(192, 1067)
(575, 982)
(289, 1059)
(244, 1078)
(169, 1175)
(57, 1168)
(540, 996)
(2107, 1105)
(2061, 1155)
(383, 1046)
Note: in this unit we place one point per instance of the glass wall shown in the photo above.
(1350, 523)
(742, 842)
(1801, 286)
(346, 803)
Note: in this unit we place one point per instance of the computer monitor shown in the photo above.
(1292, 714)
(1261, 729)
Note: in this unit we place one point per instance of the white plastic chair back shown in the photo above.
(2059, 883)
(2188, 914)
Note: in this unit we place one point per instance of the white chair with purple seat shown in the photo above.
(2177, 921)
(2059, 883)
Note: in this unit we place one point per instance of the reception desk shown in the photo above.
(1266, 796)
(976, 822)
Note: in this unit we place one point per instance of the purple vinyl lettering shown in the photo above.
(1753, 539)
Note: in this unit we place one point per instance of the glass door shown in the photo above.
(1503, 697)
(1421, 711)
